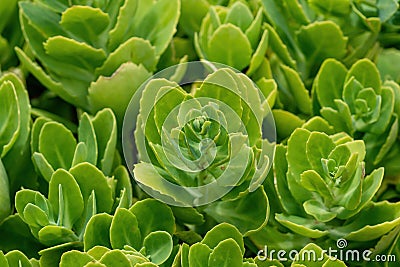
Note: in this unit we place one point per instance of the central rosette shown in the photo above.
(198, 141)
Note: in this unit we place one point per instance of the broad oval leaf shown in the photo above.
(153, 215)
(124, 230)
(61, 152)
(230, 46)
(100, 223)
(158, 24)
(90, 179)
(198, 255)
(16, 258)
(226, 254)
(74, 258)
(52, 235)
(115, 258)
(321, 40)
(366, 73)
(222, 232)
(158, 246)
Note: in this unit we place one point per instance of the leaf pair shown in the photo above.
(96, 144)
(144, 230)
(74, 197)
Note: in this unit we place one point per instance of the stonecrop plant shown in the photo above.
(106, 47)
(195, 148)
(329, 185)
(199, 133)
(357, 103)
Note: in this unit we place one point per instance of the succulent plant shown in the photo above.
(303, 34)
(96, 144)
(223, 245)
(233, 36)
(324, 192)
(92, 53)
(355, 101)
(320, 78)
(74, 197)
(195, 148)
(350, 28)
(82, 178)
(145, 231)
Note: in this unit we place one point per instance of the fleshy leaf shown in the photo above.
(227, 253)
(300, 94)
(153, 215)
(158, 24)
(303, 226)
(121, 86)
(158, 246)
(327, 86)
(321, 40)
(124, 230)
(239, 211)
(230, 46)
(86, 23)
(61, 152)
(75, 258)
(9, 117)
(198, 255)
(99, 223)
(135, 50)
(365, 72)
(365, 227)
(66, 198)
(222, 232)
(105, 127)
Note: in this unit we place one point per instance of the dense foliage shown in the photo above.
(289, 142)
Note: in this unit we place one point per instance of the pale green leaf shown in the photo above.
(230, 46)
